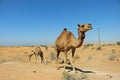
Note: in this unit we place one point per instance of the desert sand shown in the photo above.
(91, 63)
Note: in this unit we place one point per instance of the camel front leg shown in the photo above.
(73, 52)
(36, 58)
(30, 56)
(57, 56)
(65, 61)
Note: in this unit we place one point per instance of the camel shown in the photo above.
(37, 52)
(67, 41)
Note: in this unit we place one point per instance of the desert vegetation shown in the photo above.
(90, 63)
(118, 43)
(80, 76)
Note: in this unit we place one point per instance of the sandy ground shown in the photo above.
(91, 63)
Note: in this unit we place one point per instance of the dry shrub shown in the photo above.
(118, 43)
(89, 57)
(52, 56)
(46, 47)
(98, 48)
(46, 60)
(86, 46)
(68, 76)
(77, 58)
(112, 57)
(2, 60)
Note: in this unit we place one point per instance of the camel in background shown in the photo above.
(37, 52)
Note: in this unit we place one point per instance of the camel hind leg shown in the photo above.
(41, 56)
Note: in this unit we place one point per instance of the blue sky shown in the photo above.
(41, 21)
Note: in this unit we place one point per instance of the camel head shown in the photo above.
(84, 27)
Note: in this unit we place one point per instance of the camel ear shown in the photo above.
(78, 25)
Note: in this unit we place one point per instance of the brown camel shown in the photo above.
(67, 41)
(37, 52)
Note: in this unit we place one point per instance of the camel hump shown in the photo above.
(65, 29)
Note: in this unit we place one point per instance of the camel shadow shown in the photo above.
(77, 69)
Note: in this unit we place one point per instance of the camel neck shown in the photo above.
(81, 36)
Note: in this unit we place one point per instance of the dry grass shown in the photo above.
(76, 76)
(118, 43)
(112, 57)
(52, 56)
(89, 57)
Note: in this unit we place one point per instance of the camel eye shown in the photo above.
(82, 26)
